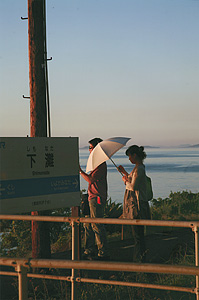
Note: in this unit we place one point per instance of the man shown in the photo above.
(97, 195)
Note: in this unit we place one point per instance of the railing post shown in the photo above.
(22, 282)
(122, 233)
(195, 229)
(74, 257)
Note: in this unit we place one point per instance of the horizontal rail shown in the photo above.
(184, 224)
(110, 282)
(136, 284)
(141, 222)
(96, 265)
(19, 264)
(41, 276)
(54, 277)
(4, 273)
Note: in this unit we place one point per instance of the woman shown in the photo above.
(136, 205)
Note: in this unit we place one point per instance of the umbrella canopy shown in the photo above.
(104, 150)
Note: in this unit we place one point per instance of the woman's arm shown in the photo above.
(134, 182)
(125, 179)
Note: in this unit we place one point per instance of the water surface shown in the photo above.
(174, 169)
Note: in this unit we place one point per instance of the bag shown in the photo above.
(85, 205)
(149, 189)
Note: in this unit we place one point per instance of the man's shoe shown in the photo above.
(103, 257)
(87, 256)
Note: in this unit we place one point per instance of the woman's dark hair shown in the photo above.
(95, 141)
(139, 151)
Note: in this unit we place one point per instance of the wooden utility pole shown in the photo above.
(38, 109)
(38, 112)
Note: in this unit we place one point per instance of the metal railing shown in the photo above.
(22, 265)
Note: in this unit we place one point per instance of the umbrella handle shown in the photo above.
(116, 166)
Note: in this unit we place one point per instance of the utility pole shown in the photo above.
(38, 107)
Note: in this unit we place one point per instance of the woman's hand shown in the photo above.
(122, 170)
(125, 179)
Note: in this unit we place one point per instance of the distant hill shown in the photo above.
(189, 146)
(152, 147)
(125, 147)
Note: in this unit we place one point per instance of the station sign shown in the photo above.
(38, 173)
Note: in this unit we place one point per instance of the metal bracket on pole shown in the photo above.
(76, 220)
(25, 97)
(24, 18)
(72, 279)
(49, 58)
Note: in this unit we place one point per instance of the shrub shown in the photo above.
(179, 206)
(113, 210)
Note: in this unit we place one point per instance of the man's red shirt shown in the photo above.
(99, 186)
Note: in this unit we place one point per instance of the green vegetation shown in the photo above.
(179, 206)
(113, 210)
(16, 238)
(16, 242)
(58, 290)
(16, 235)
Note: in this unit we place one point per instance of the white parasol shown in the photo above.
(104, 150)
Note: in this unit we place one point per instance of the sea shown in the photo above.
(170, 169)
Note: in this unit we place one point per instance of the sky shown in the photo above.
(120, 68)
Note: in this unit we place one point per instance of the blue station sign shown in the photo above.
(38, 174)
